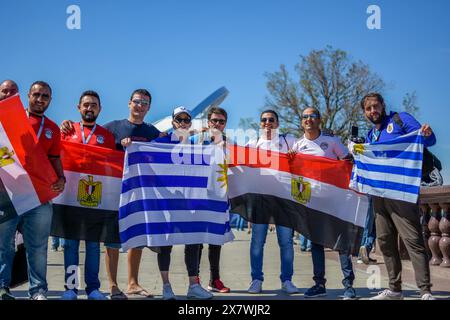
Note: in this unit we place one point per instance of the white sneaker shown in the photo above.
(69, 295)
(39, 296)
(96, 295)
(196, 291)
(255, 286)
(167, 293)
(388, 295)
(427, 296)
(289, 287)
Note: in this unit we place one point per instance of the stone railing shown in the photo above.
(435, 206)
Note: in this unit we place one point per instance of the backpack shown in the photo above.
(431, 165)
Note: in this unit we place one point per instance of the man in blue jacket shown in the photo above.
(395, 217)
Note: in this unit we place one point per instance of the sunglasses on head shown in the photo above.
(271, 120)
(312, 116)
(218, 121)
(180, 120)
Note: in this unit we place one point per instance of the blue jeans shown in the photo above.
(369, 234)
(318, 258)
(304, 243)
(284, 235)
(35, 227)
(91, 264)
(240, 223)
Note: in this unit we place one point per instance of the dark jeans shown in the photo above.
(214, 260)
(191, 254)
(318, 258)
(369, 234)
(393, 218)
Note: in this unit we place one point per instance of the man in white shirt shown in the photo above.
(318, 143)
(271, 140)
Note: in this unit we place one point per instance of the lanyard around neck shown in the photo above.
(86, 141)
(41, 128)
(375, 134)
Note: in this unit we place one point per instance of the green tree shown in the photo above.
(329, 80)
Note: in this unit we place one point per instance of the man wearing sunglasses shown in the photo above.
(319, 143)
(125, 131)
(270, 139)
(35, 224)
(214, 133)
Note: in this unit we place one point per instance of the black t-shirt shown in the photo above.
(122, 129)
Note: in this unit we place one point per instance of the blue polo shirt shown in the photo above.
(390, 129)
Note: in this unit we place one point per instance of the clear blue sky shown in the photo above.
(183, 50)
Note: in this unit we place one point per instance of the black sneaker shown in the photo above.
(315, 291)
(5, 294)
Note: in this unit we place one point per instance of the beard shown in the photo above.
(89, 117)
(380, 119)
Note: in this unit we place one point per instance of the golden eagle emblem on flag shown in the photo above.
(6, 157)
(89, 192)
(301, 190)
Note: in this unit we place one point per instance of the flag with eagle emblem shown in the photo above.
(26, 174)
(88, 207)
(309, 194)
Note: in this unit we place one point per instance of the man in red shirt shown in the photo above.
(87, 131)
(35, 225)
(47, 131)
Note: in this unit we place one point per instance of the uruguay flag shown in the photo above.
(390, 169)
(173, 194)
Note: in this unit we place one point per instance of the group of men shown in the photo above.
(392, 217)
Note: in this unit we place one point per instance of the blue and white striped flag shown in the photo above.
(173, 194)
(390, 169)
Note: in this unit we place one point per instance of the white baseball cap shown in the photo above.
(181, 109)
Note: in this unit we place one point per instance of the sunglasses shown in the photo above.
(216, 121)
(312, 116)
(44, 96)
(271, 120)
(181, 120)
(142, 102)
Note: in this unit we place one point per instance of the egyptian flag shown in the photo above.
(26, 174)
(309, 194)
(88, 207)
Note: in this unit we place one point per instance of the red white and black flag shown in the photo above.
(88, 207)
(309, 194)
(26, 174)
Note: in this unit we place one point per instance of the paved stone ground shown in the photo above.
(235, 266)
